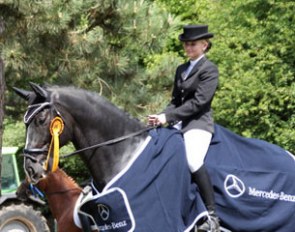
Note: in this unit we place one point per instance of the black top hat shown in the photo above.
(195, 32)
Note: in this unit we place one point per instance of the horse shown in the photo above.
(91, 119)
(62, 193)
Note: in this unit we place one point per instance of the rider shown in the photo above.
(190, 111)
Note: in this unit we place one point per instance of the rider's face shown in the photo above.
(194, 49)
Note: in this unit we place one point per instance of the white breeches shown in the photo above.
(196, 145)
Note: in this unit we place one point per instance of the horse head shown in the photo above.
(89, 119)
(38, 120)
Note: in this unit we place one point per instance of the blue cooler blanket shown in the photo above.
(253, 182)
(154, 194)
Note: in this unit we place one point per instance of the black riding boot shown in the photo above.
(202, 179)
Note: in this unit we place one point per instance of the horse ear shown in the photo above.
(40, 92)
(23, 93)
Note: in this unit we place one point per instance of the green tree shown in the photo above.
(254, 54)
(98, 45)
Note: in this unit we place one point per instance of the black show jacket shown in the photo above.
(192, 97)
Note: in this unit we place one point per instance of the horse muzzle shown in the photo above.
(34, 166)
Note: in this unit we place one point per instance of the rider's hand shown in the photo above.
(156, 120)
(152, 120)
(162, 119)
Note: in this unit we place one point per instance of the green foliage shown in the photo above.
(186, 9)
(14, 136)
(159, 79)
(256, 95)
(74, 166)
(253, 48)
(14, 133)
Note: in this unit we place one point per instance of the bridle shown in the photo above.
(56, 127)
(32, 111)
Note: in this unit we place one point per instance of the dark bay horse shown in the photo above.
(89, 119)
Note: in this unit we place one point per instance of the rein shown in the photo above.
(56, 128)
(106, 143)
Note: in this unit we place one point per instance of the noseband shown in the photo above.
(34, 151)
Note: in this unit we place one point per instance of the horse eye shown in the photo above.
(41, 119)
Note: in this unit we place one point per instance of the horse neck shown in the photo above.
(98, 121)
(94, 117)
(61, 192)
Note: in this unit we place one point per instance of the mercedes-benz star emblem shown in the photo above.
(103, 211)
(233, 186)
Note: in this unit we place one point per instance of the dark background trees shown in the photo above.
(2, 88)
(109, 46)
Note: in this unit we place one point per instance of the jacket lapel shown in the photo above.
(197, 67)
(184, 67)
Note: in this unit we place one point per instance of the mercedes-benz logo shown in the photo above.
(103, 211)
(233, 186)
